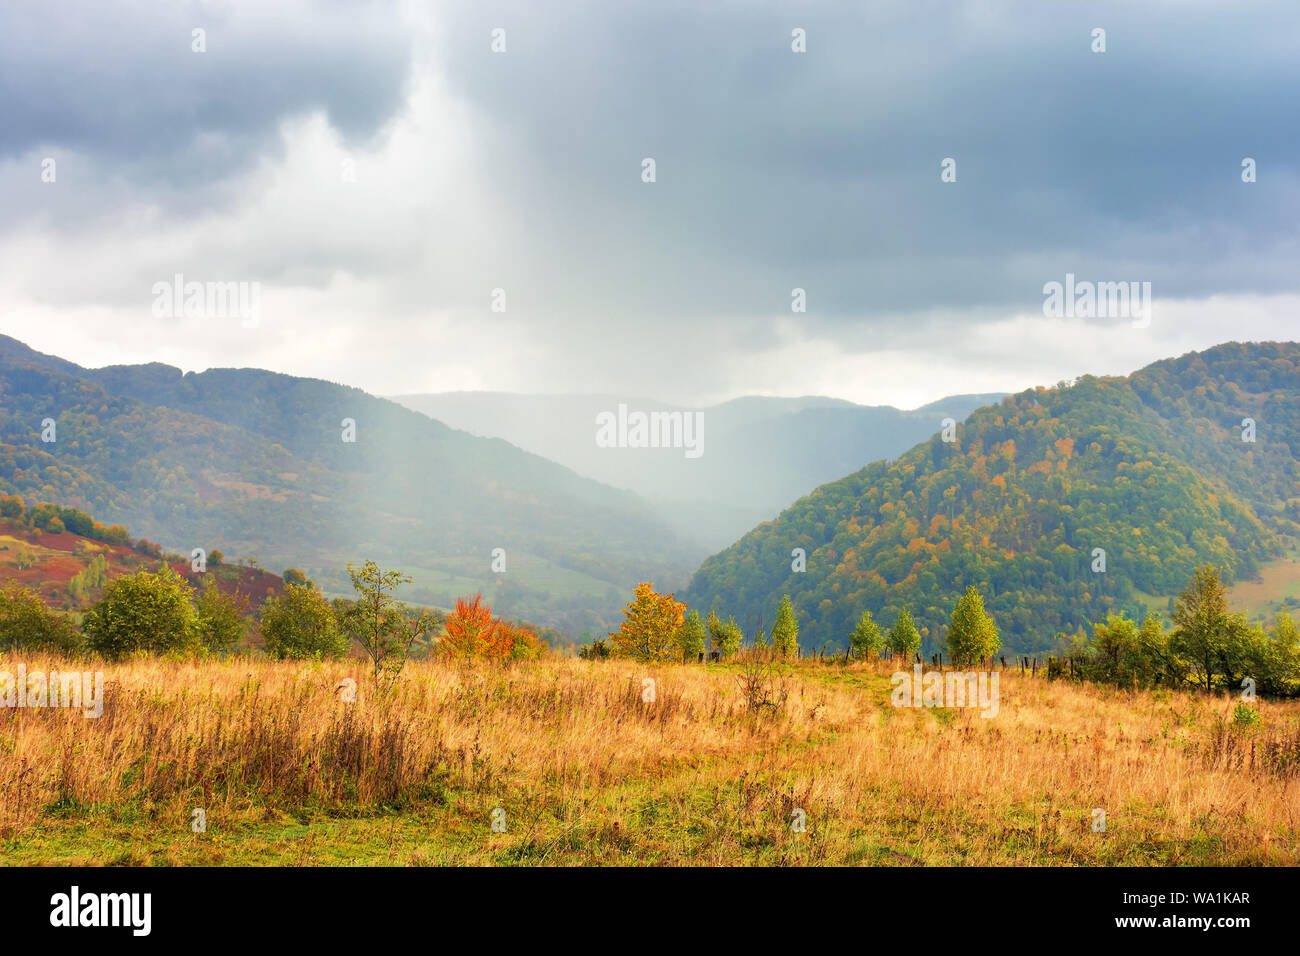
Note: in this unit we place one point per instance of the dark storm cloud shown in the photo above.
(120, 83)
(821, 170)
(776, 170)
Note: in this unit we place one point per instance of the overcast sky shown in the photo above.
(775, 170)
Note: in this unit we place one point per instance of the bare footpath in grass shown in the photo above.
(578, 767)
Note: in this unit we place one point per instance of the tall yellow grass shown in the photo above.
(591, 772)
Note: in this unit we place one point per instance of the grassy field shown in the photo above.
(583, 770)
(1275, 588)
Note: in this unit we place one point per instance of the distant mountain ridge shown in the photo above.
(1143, 476)
(760, 452)
(254, 461)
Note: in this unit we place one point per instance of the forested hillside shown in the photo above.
(254, 462)
(1152, 469)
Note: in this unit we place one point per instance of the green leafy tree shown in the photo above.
(294, 576)
(724, 636)
(692, 636)
(904, 638)
(145, 611)
(1127, 655)
(972, 634)
(26, 624)
(866, 637)
(785, 631)
(221, 618)
(78, 522)
(300, 624)
(381, 624)
(650, 627)
(24, 557)
(1203, 628)
(1280, 666)
(94, 575)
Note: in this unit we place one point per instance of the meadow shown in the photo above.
(575, 765)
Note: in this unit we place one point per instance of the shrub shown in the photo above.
(145, 611)
(381, 624)
(78, 522)
(220, 618)
(597, 650)
(1244, 717)
(26, 624)
(522, 642)
(300, 624)
(294, 576)
(116, 534)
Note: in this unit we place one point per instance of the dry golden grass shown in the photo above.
(588, 772)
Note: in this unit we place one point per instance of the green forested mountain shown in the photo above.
(254, 462)
(1151, 468)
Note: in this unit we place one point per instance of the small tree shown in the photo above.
(145, 611)
(1202, 625)
(294, 576)
(724, 636)
(116, 534)
(24, 557)
(785, 632)
(520, 642)
(471, 631)
(692, 637)
(972, 634)
(221, 618)
(300, 624)
(380, 623)
(651, 622)
(1280, 663)
(215, 558)
(866, 638)
(904, 639)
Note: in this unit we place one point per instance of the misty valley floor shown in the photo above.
(586, 771)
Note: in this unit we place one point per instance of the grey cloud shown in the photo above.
(120, 83)
(775, 170)
(822, 170)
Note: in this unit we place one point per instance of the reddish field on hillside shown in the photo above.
(47, 563)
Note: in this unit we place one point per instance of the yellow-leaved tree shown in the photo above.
(650, 627)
